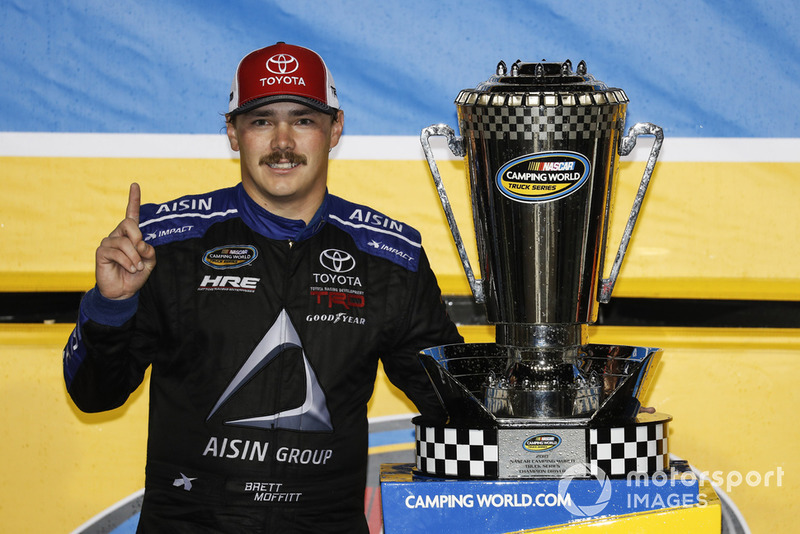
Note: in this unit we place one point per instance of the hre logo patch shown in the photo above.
(246, 284)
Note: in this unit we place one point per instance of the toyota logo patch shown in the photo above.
(337, 260)
(282, 64)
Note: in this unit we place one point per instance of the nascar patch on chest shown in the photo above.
(230, 256)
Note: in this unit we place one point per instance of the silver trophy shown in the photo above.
(541, 143)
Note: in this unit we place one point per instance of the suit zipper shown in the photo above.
(287, 273)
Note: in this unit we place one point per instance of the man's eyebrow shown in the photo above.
(294, 112)
(261, 112)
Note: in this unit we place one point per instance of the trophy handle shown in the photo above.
(457, 148)
(625, 148)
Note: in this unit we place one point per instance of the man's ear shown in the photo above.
(233, 138)
(336, 128)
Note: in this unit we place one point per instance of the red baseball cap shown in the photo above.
(281, 73)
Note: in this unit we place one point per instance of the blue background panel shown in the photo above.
(699, 68)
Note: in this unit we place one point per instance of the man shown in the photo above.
(263, 310)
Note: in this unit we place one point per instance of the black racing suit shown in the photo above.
(264, 336)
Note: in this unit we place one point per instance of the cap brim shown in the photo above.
(310, 102)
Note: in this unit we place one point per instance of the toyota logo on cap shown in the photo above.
(337, 260)
(282, 64)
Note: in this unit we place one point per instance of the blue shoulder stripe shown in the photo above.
(186, 217)
(377, 234)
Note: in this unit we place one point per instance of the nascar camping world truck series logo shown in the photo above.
(543, 176)
(230, 256)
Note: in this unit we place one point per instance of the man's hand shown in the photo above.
(123, 261)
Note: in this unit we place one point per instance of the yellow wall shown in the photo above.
(61, 466)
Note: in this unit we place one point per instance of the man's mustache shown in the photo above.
(278, 156)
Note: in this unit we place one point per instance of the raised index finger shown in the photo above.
(134, 201)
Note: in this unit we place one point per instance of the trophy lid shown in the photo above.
(541, 84)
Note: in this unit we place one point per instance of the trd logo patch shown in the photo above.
(336, 298)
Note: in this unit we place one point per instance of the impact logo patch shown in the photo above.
(230, 256)
(541, 443)
(543, 176)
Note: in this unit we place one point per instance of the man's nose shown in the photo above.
(283, 138)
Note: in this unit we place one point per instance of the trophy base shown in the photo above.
(541, 449)
(672, 501)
